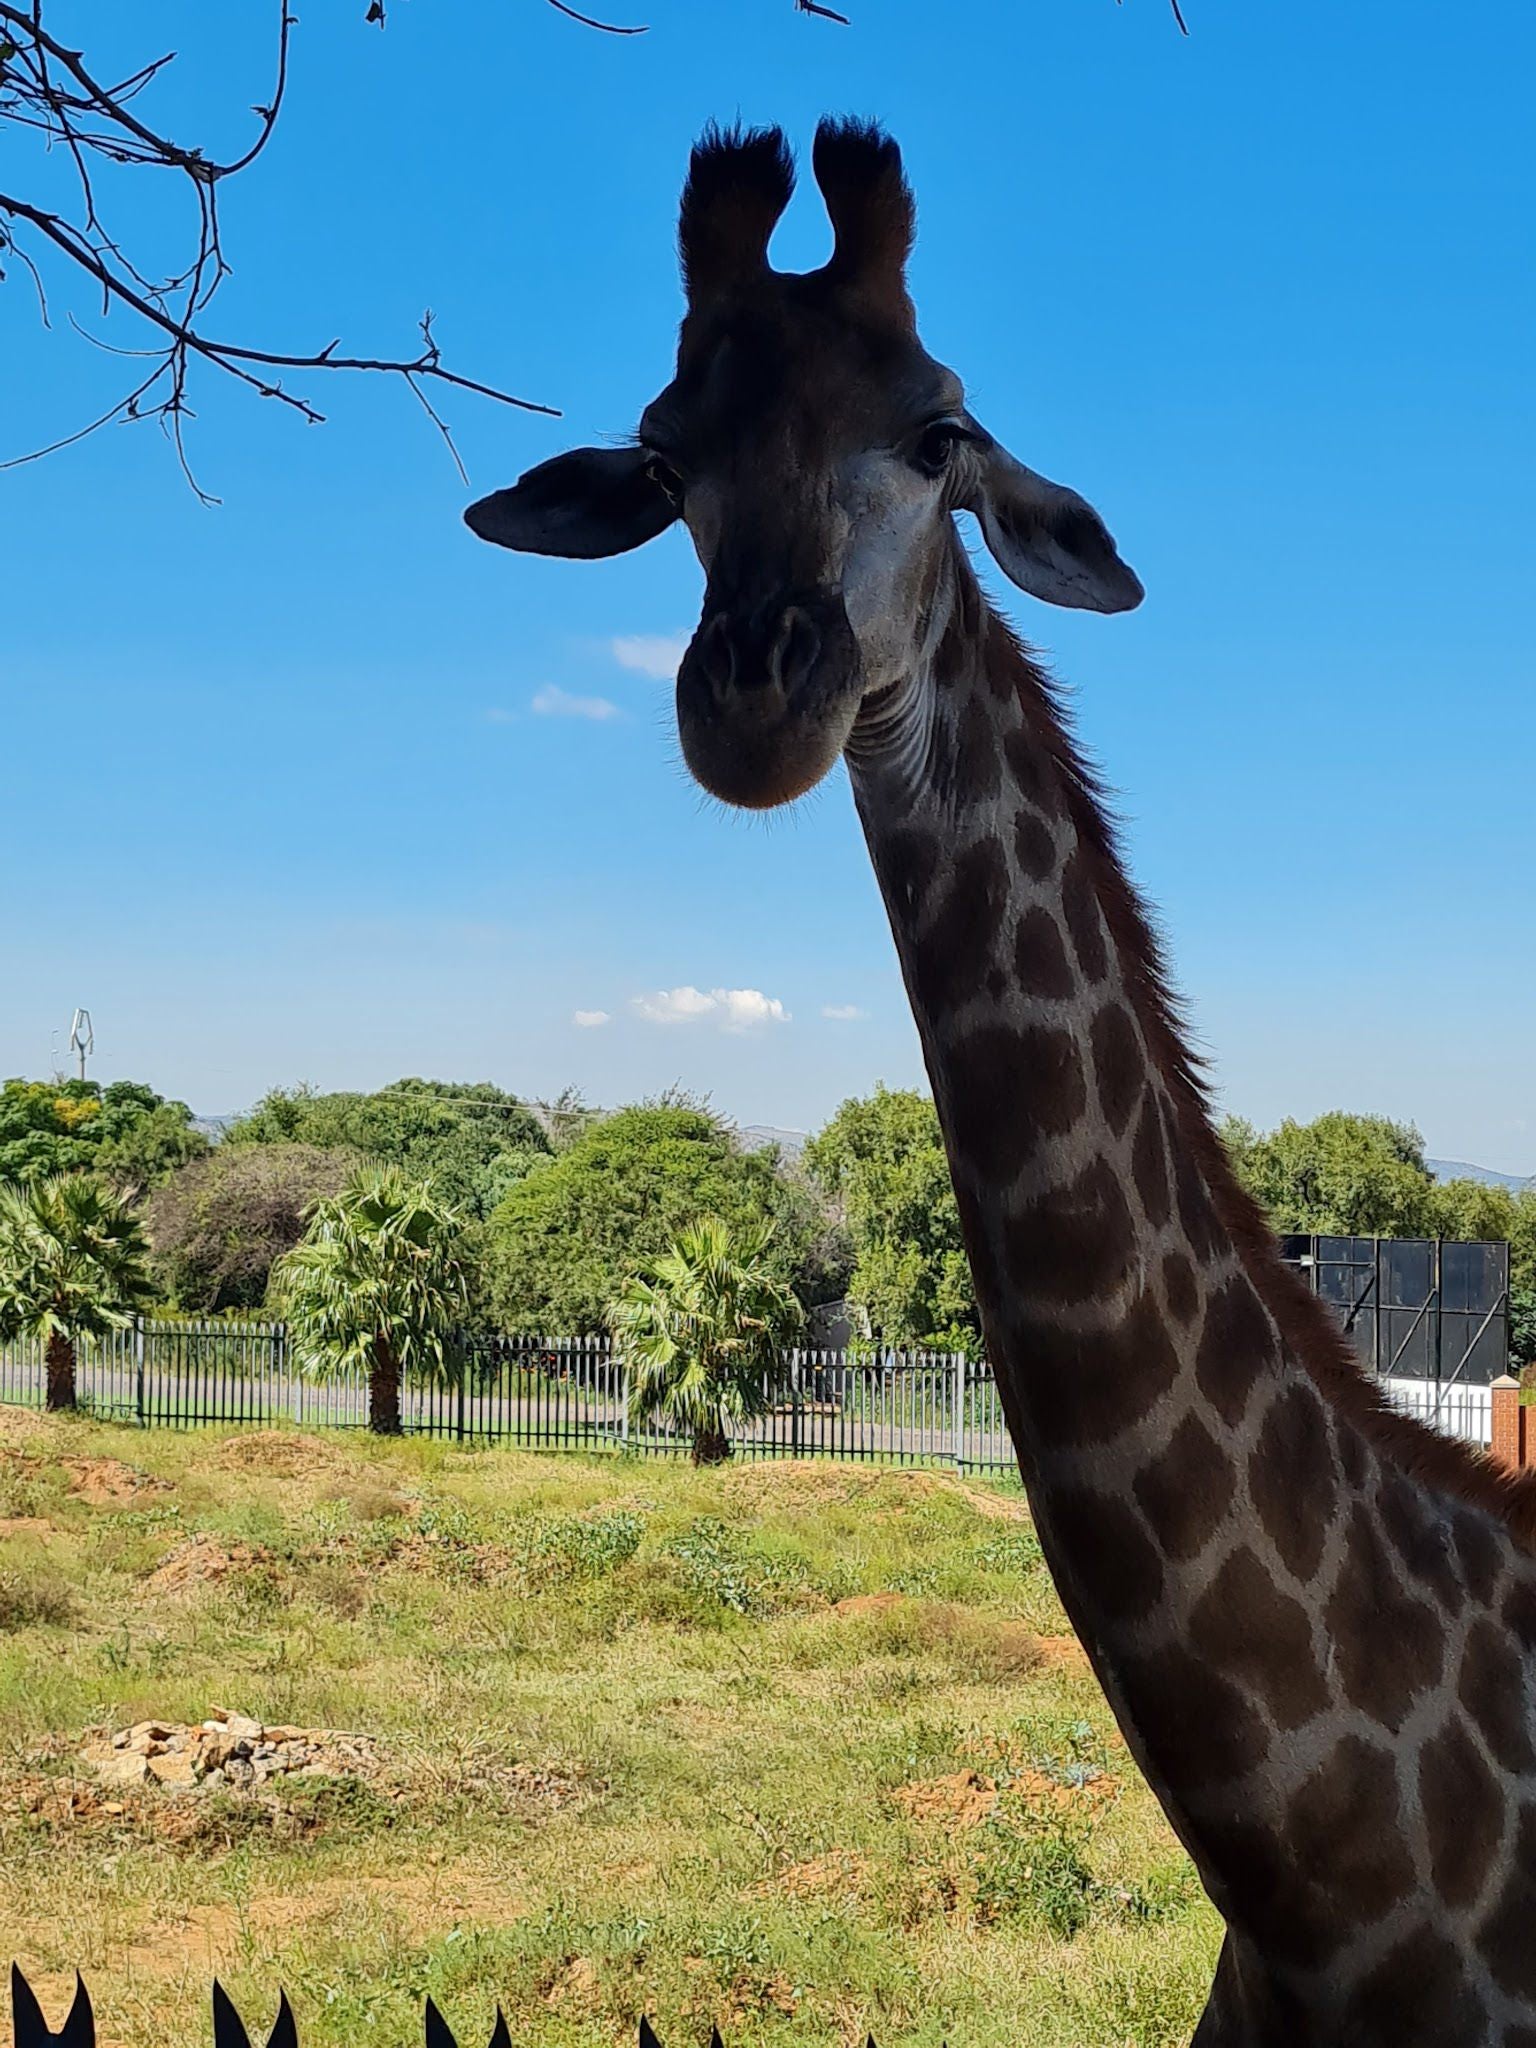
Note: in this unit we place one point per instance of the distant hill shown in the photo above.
(1458, 1169)
(756, 1137)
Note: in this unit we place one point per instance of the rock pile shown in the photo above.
(226, 1752)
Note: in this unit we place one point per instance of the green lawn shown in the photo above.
(803, 1750)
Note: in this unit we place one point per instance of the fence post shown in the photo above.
(138, 1369)
(957, 1413)
(795, 1428)
(1508, 1421)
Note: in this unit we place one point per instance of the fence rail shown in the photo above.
(896, 1407)
(893, 1407)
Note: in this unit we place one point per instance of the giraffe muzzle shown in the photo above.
(766, 696)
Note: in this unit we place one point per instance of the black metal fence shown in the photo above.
(896, 1407)
(1414, 1307)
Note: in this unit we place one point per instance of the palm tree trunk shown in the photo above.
(61, 1372)
(711, 1446)
(384, 1417)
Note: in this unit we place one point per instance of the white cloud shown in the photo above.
(729, 1009)
(553, 702)
(651, 654)
(843, 1013)
(590, 1020)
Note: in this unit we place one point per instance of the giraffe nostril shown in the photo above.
(796, 648)
(715, 652)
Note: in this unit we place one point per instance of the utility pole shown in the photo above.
(82, 1039)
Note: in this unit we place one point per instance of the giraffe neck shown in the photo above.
(1217, 1492)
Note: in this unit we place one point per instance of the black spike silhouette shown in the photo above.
(31, 2029)
(229, 2030)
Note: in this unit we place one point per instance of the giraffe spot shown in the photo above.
(1085, 921)
(951, 963)
(1107, 1553)
(1186, 1490)
(1197, 1727)
(1033, 846)
(979, 772)
(1420, 1534)
(1463, 1807)
(1492, 1687)
(1291, 1480)
(1344, 1842)
(1119, 1064)
(1021, 1085)
(1388, 1645)
(1519, 1611)
(1481, 1553)
(1149, 1165)
(1180, 1288)
(1040, 956)
(1248, 1629)
(1236, 1345)
(1197, 1214)
(1417, 1992)
(1504, 1939)
(908, 861)
(1034, 773)
(1074, 1244)
(1355, 1459)
(1087, 1387)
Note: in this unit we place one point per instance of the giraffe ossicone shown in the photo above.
(1314, 1620)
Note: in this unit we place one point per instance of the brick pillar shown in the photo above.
(1509, 1432)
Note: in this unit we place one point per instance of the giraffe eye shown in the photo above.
(935, 445)
(666, 480)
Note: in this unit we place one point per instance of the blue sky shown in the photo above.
(309, 786)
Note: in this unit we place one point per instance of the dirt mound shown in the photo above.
(279, 1453)
(109, 1483)
(963, 1799)
(201, 1561)
(1062, 1653)
(838, 1873)
(871, 1603)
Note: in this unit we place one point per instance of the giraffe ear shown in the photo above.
(1046, 538)
(587, 505)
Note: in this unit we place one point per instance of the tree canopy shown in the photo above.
(124, 1131)
(565, 1238)
(881, 1161)
(72, 1265)
(470, 1138)
(1347, 1175)
(219, 1226)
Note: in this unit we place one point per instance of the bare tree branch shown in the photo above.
(48, 91)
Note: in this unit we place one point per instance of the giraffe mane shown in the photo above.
(1445, 1465)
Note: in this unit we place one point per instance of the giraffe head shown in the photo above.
(817, 455)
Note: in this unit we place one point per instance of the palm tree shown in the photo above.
(378, 1281)
(73, 1264)
(700, 1332)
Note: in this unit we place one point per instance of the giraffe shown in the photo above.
(1314, 1620)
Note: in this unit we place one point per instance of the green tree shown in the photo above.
(1340, 1175)
(125, 1131)
(881, 1161)
(219, 1225)
(72, 1265)
(378, 1281)
(564, 1238)
(700, 1331)
(470, 1138)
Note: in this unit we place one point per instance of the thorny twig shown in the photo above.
(47, 88)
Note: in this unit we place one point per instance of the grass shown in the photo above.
(804, 1750)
